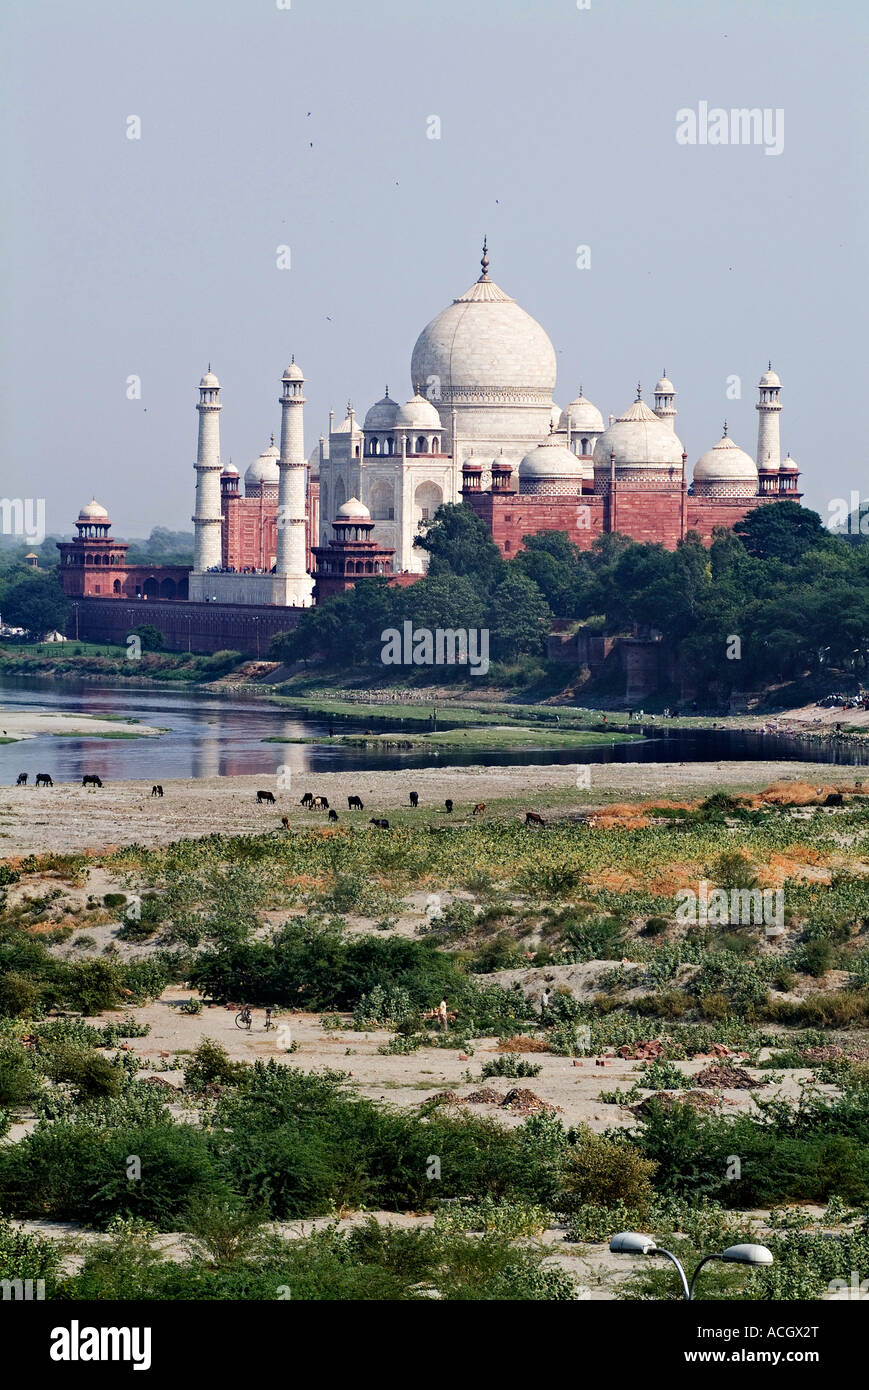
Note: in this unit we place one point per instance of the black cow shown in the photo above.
(157, 790)
(91, 779)
(380, 824)
(333, 815)
(449, 806)
(265, 796)
(22, 780)
(354, 803)
(306, 800)
(320, 803)
(43, 779)
(414, 798)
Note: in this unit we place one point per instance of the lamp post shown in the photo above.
(634, 1243)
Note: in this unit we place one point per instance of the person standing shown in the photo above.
(442, 1013)
(544, 1001)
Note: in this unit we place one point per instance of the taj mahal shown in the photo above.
(481, 427)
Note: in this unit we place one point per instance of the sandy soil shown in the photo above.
(22, 724)
(69, 818)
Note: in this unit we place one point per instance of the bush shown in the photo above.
(509, 1065)
(210, 1065)
(605, 1170)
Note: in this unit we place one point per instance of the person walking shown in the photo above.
(442, 1013)
(544, 1001)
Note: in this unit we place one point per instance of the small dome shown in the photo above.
(230, 471)
(551, 459)
(293, 372)
(353, 510)
(665, 387)
(344, 427)
(581, 415)
(639, 440)
(265, 468)
(93, 512)
(555, 416)
(418, 414)
(726, 462)
(770, 378)
(382, 414)
(209, 380)
(769, 467)
(789, 465)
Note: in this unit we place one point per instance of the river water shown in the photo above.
(215, 736)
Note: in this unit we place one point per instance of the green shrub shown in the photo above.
(607, 1170)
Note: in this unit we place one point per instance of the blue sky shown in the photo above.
(307, 127)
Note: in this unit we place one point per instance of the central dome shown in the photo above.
(483, 346)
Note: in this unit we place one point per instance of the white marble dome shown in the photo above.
(93, 512)
(483, 345)
(725, 462)
(293, 372)
(209, 380)
(353, 510)
(639, 440)
(582, 416)
(665, 387)
(265, 468)
(382, 414)
(417, 414)
(770, 378)
(551, 469)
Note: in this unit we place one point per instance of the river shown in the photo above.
(216, 736)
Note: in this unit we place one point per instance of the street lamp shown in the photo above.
(633, 1243)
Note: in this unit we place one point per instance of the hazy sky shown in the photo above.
(307, 127)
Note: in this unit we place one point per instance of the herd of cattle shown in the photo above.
(309, 801)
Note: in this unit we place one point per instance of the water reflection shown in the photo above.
(209, 737)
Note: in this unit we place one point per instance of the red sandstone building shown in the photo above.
(94, 565)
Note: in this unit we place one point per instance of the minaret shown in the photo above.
(769, 410)
(207, 520)
(295, 586)
(665, 402)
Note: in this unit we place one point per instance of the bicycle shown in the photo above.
(244, 1019)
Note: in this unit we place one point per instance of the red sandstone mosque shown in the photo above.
(481, 428)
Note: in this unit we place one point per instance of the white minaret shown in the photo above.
(769, 410)
(295, 585)
(208, 519)
(665, 402)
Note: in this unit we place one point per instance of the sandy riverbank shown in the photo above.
(68, 818)
(25, 724)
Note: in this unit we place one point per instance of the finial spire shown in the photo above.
(485, 259)
(292, 358)
(769, 365)
(639, 392)
(209, 366)
(725, 429)
(386, 397)
(273, 441)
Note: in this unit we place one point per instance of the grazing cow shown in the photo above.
(354, 803)
(43, 779)
(449, 806)
(532, 818)
(265, 796)
(414, 798)
(156, 790)
(835, 799)
(479, 808)
(22, 780)
(380, 824)
(285, 822)
(320, 803)
(333, 815)
(306, 800)
(91, 779)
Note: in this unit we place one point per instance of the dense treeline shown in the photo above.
(796, 596)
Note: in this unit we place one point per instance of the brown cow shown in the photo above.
(532, 818)
(285, 822)
(265, 796)
(479, 808)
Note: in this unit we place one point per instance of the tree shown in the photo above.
(442, 601)
(781, 531)
(459, 543)
(551, 559)
(35, 601)
(519, 617)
